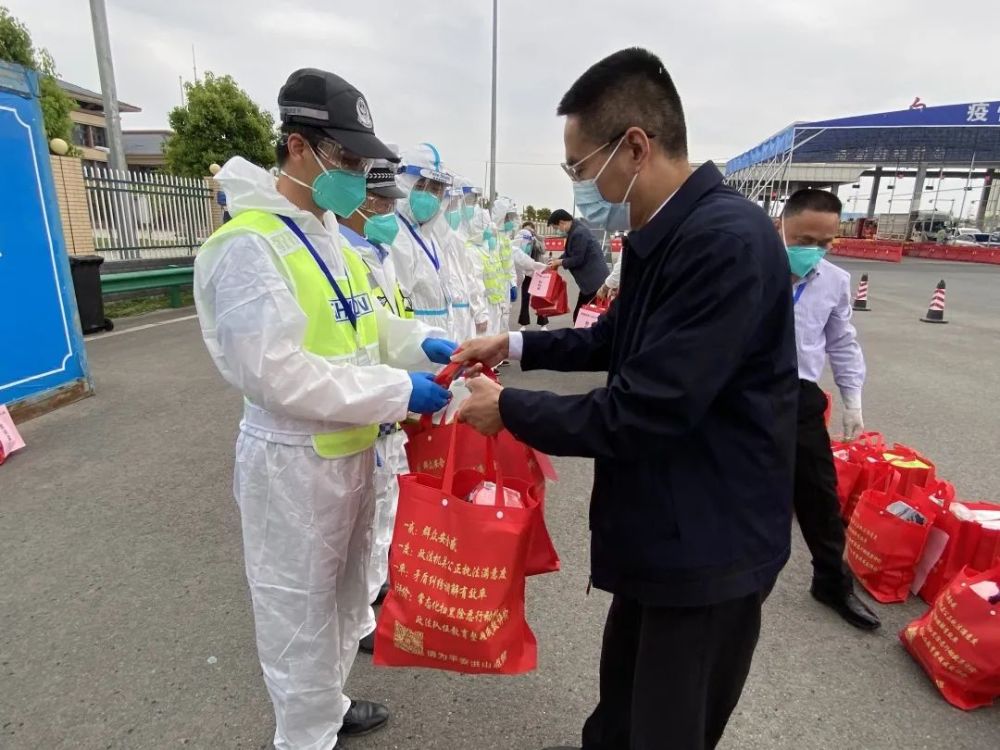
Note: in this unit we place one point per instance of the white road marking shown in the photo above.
(88, 339)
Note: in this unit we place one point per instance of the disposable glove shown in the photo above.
(513, 294)
(853, 423)
(427, 396)
(439, 351)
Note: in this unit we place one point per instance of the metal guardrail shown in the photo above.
(171, 279)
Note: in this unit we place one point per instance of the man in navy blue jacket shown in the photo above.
(583, 257)
(693, 435)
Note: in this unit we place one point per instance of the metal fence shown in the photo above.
(141, 215)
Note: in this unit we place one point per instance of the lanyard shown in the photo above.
(348, 309)
(432, 257)
(798, 291)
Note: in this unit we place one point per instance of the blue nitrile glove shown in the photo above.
(513, 294)
(439, 351)
(427, 396)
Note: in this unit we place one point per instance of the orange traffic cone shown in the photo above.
(935, 313)
(861, 301)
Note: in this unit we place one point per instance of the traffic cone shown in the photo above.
(861, 301)
(935, 313)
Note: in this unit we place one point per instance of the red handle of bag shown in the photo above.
(448, 476)
(448, 375)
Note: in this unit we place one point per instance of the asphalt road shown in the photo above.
(125, 620)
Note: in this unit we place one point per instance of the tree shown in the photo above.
(218, 121)
(529, 213)
(17, 47)
(543, 214)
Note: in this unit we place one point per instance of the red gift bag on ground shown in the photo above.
(965, 534)
(427, 450)
(958, 641)
(914, 470)
(860, 466)
(882, 548)
(939, 494)
(554, 299)
(456, 577)
(590, 313)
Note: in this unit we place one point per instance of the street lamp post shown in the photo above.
(109, 91)
(493, 118)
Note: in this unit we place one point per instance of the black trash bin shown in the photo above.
(86, 271)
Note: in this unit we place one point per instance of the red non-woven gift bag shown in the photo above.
(590, 313)
(456, 578)
(964, 534)
(958, 641)
(914, 469)
(427, 450)
(555, 300)
(860, 466)
(882, 548)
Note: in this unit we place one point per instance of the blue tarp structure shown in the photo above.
(42, 357)
(954, 134)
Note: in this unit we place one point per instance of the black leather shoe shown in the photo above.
(850, 607)
(363, 717)
(367, 644)
(382, 594)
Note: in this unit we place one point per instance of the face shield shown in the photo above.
(453, 207)
(470, 204)
(427, 191)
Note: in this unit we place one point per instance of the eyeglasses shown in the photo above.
(341, 158)
(573, 170)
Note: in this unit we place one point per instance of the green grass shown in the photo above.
(126, 308)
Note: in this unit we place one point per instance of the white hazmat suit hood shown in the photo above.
(419, 258)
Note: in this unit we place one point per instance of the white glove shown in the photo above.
(854, 424)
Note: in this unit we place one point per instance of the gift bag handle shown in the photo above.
(448, 476)
(448, 375)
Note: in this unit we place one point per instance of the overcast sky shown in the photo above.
(744, 68)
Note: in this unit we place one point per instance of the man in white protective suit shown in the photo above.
(289, 318)
(463, 282)
(516, 261)
(417, 254)
(477, 254)
(370, 231)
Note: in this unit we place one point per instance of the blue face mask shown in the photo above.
(508, 226)
(381, 228)
(468, 212)
(596, 210)
(454, 218)
(424, 205)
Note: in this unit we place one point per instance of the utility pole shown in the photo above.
(493, 122)
(105, 65)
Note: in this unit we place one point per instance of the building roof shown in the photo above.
(144, 142)
(92, 97)
(949, 135)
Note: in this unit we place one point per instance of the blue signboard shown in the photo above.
(41, 346)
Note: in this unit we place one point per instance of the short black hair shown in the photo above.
(810, 199)
(527, 224)
(560, 214)
(630, 88)
(312, 135)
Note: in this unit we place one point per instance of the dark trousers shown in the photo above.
(582, 300)
(671, 676)
(816, 504)
(524, 317)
